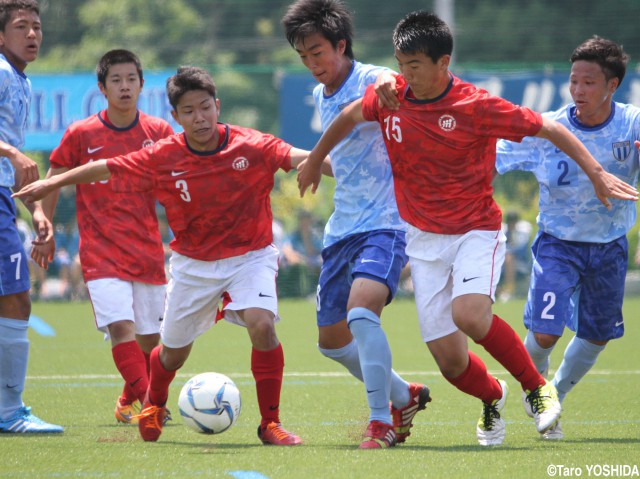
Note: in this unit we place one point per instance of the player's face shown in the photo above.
(328, 65)
(197, 113)
(20, 42)
(591, 92)
(122, 86)
(426, 79)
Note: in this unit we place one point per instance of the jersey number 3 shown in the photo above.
(184, 190)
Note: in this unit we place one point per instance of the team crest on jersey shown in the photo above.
(240, 163)
(148, 143)
(447, 122)
(621, 150)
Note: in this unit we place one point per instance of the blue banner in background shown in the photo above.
(59, 100)
(300, 123)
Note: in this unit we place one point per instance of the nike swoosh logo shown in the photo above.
(619, 323)
(273, 408)
(135, 382)
(261, 295)
(177, 173)
(369, 261)
(464, 280)
(372, 391)
(12, 387)
(93, 150)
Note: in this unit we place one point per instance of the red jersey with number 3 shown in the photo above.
(217, 202)
(119, 236)
(443, 153)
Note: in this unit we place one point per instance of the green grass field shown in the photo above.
(72, 381)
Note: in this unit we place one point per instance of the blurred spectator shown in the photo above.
(517, 261)
(300, 257)
(306, 239)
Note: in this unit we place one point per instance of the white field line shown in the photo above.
(310, 374)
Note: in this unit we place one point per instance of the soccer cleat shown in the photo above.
(526, 405)
(402, 417)
(554, 433)
(545, 406)
(26, 423)
(273, 434)
(127, 413)
(378, 436)
(491, 429)
(150, 421)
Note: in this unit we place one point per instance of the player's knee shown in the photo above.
(16, 306)
(546, 341)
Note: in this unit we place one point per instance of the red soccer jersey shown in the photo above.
(217, 202)
(119, 236)
(443, 153)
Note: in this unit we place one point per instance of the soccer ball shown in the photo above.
(210, 403)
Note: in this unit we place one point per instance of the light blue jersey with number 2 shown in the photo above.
(569, 208)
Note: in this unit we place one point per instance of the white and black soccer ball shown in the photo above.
(210, 403)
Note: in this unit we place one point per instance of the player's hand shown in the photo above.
(42, 226)
(34, 191)
(610, 186)
(42, 254)
(308, 175)
(385, 88)
(26, 170)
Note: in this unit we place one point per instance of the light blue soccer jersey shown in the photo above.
(364, 198)
(569, 208)
(15, 97)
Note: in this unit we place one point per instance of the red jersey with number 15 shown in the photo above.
(119, 236)
(217, 202)
(443, 153)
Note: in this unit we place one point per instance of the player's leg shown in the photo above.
(116, 318)
(15, 309)
(190, 310)
(599, 317)
(430, 273)
(253, 303)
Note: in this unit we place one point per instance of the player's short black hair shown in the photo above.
(116, 57)
(329, 18)
(606, 53)
(423, 32)
(7, 7)
(187, 79)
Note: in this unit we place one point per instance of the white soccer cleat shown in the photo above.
(545, 406)
(554, 433)
(491, 428)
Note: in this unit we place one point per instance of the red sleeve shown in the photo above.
(132, 172)
(502, 119)
(66, 154)
(370, 109)
(277, 153)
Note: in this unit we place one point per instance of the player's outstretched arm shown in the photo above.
(337, 131)
(88, 173)
(605, 184)
(299, 161)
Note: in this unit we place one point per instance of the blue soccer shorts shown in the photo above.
(578, 285)
(378, 255)
(14, 264)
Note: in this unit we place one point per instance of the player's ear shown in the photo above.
(102, 88)
(444, 61)
(217, 102)
(174, 114)
(141, 82)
